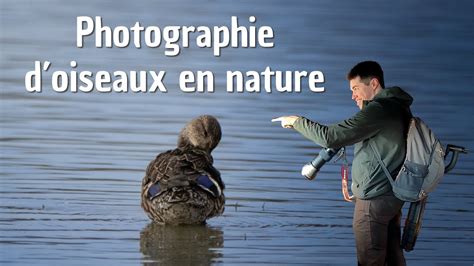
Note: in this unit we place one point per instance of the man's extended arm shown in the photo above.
(365, 124)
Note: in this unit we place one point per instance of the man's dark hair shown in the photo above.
(367, 69)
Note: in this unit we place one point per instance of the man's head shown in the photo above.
(365, 80)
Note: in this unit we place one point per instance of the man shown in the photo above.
(383, 121)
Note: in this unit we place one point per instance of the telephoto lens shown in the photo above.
(311, 169)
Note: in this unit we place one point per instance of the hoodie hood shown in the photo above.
(395, 94)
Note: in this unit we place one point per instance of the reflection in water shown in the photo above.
(181, 245)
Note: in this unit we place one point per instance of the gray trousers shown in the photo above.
(376, 226)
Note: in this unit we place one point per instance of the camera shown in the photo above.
(312, 168)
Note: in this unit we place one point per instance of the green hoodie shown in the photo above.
(383, 121)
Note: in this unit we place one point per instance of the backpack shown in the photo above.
(420, 173)
(423, 166)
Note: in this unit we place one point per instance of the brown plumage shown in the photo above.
(181, 186)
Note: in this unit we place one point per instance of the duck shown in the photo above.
(181, 186)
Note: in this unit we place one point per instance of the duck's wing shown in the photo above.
(209, 178)
(182, 168)
(203, 163)
(169, 169)
(216, 175)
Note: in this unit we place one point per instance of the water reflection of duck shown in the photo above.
(181, 186)
(180, 245)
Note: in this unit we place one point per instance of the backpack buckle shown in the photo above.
(422, 194)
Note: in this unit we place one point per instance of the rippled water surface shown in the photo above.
(71, 164)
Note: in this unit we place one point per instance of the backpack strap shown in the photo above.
(379, 159)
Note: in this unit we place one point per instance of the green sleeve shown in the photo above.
(363, 125)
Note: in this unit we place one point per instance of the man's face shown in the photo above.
(360, 91)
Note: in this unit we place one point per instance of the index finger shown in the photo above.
(277, 119)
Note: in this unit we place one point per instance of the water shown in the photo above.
(71, 164)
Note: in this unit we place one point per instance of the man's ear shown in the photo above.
(374, 83)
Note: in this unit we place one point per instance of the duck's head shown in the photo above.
(203, 132)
